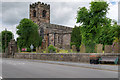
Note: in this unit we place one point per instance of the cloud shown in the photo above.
(119, 13)
(61, 12)
(64, 13)
(113, 12)
(12, 13)
(47, 0)
(55, 0)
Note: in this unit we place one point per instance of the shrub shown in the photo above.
(63, 51)
(51, 49)
(44, 51)
(28, 50)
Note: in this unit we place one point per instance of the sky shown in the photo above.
(62, 12)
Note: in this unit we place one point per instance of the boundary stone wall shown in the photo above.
(70, 57)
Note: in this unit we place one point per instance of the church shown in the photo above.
(52, 34)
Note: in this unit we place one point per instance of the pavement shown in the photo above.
(109, 67)
(23, 68)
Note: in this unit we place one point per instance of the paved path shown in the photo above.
(19, 68)
(110, 67)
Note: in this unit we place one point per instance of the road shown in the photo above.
(20, 68)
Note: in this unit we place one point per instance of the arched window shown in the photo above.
(44, 13)
(34, 13)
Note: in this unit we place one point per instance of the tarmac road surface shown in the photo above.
(21, 68)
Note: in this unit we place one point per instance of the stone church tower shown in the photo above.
(40, 13)
(52, 34)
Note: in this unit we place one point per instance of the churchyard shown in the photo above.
(45, 41)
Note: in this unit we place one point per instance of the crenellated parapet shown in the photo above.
(33, 5)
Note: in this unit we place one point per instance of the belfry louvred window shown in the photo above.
(34, 13)
(44, 13)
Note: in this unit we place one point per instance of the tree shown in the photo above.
(6, 37)
(107, 33)
(117, 31)
(76, 37)
(28, 34)
(92, 19)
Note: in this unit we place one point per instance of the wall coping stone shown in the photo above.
(75, 53)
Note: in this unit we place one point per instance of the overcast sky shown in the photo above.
(61, 12)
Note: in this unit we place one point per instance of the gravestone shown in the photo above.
(108, 49)
(116, 47)
(74, 48)
(46, 50)
(18, 50)
(37, 50)
(58, 45)
(40, 50)
(99, 48)
(43, 46)
(66, 47)
(82, 49)
(57, 49)
(95, 50)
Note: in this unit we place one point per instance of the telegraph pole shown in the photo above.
(5, 42)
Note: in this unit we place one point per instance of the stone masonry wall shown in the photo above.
(70, 57)
(57, 35)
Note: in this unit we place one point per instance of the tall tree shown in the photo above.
(117, 31)
(28, 34)
(92, 19)
(107, 35)
(76, 37)
(6, 37)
